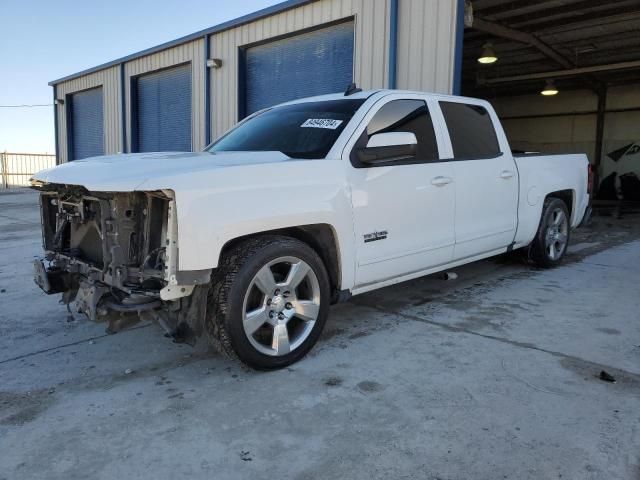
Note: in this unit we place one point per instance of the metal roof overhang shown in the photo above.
(578, 43)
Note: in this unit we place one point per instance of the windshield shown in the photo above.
(301, 130)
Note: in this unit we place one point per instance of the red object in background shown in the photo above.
(590, 180)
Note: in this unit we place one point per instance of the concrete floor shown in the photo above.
(491, 376)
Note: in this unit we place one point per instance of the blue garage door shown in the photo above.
(309, 64)
(86, 135)
(163, 111)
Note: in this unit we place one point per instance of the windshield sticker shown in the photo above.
(321, 123)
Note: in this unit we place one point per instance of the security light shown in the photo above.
(488, 55)
(214, 63)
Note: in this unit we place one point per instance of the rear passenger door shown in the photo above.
(403, 210)
(486, 179)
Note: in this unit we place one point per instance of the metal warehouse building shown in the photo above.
(184, 93)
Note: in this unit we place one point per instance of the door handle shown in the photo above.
(441, 181)
(506, 174)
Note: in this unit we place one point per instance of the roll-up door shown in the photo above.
(86, 132)
(163, 110)
(308, 64)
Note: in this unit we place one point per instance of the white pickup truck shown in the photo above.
(297, 207)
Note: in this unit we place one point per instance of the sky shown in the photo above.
(42, 40)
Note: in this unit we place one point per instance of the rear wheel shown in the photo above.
(552, 238)
(269, 301)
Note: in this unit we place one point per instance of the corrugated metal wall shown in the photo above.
(109, 80)
(426, 42)
(426, 45)
(558, 126)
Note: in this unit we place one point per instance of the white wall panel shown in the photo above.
(426, 45)
(574, 132)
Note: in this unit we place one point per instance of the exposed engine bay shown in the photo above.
(114, 257)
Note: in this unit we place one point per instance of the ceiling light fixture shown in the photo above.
(549, 89)
(488, 55)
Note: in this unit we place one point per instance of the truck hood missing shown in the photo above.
(130, 172)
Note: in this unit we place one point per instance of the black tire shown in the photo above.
(539, 250)
(230, 283)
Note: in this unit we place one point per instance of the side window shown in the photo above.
(471, 131)
(407, 116)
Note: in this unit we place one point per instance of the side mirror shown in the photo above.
(389, 147)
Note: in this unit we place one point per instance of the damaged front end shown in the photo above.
(115, 257)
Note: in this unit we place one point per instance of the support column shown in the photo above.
(207, 91)
(600, 119)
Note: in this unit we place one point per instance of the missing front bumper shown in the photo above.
(182, 318)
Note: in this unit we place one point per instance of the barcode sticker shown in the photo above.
(321, 123)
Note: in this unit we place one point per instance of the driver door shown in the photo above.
(403, 210)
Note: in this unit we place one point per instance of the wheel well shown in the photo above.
(320, 237)
(566, 196)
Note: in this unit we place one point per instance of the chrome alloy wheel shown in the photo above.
(281, 306)
(557, 234)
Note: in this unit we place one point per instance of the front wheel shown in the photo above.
(552, 238)
(269, 301)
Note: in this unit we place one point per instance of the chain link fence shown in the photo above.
(17, 168)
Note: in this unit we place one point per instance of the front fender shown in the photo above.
(216, 207)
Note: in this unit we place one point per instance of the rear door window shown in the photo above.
(471, 130)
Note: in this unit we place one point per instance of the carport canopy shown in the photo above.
(574, 44)
(577, 43)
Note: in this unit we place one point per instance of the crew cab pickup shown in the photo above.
(299, 206)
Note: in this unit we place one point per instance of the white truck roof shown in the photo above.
(365, 94)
